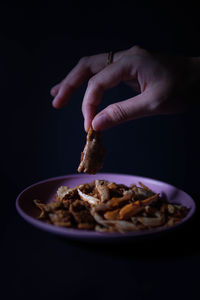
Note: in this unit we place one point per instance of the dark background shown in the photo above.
(39, 46)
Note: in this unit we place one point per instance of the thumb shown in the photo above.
(132, 108)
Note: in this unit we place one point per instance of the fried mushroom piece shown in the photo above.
(89, 199)
(64, 193)
(102, 190)
(118, 201)
(80, 211)
(61, 218)
(54, 213)
(47, 208)
(92, 157)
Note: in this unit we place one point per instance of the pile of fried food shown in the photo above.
(105, 206)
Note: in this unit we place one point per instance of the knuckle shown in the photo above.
(152, 106)
(94, 84)
(91, 82)
(139, 50)
(136, 48)
(125, 59)
(116, 113)
(84, 60)
(125, 62)
(66, 85)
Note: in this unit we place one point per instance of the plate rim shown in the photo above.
(93, 235)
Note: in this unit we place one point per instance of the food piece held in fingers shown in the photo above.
(93, 155)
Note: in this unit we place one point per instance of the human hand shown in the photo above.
(165, 84)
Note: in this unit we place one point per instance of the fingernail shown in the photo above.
(54, 102)
(100, 122)
(86, 125)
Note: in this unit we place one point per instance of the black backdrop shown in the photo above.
(39, 45)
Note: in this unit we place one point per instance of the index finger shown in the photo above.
(113, 74)
(86, 67)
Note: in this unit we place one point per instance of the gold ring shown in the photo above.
(110, 58)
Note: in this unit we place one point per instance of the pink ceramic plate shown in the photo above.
(46, 190)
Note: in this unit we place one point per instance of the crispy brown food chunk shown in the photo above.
(118, 201)
(61, 218)
(102, 190)
(129, 210)
(80, 211)
(112, 215)
(92, 157)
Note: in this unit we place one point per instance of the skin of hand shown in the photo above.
(165, 84)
